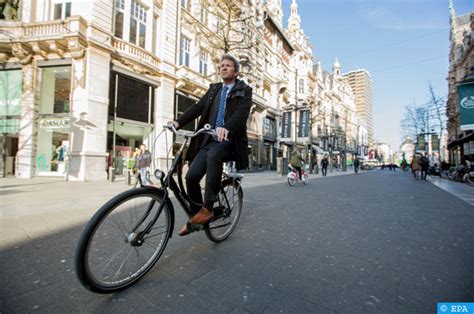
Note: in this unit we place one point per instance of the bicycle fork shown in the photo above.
(136, 238)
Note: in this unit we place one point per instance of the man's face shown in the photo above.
(227, 70)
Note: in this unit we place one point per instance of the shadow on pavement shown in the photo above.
(374, 242)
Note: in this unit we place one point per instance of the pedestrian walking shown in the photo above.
(425, 166)
(143, 162)
(356, 164)
(415, 166)
(226, 106)
(324, 166)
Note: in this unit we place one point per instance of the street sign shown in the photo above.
(466, 105)
(434, 142)
(421, 142)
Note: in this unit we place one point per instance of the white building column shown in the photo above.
(25, 159)
(90, 101)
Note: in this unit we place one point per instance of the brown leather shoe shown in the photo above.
(184, 230)
(202, 217)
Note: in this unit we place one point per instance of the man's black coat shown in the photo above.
(239, 101)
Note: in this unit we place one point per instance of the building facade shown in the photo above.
(85, 83)
(361, 84)
(461, 72)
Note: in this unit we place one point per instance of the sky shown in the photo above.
(404, 44)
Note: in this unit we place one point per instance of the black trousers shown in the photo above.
(324, 170)
(209, 160)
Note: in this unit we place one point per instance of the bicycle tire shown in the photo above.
(225, 222)
(99, 235)
(291, 181)
(470, 179)
(305, 179)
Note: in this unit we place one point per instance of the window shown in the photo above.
(186, 4)
(138, 24)
(204, 16)
(133, 99)
(61, 10)
(55, 89)
(286, 129)
(119, 13)
(183, 103)
(301, 86)
(303, 130)
(184, 51)
(203, 57)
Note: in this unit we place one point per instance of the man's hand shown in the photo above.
(222, 134)
(175, 123)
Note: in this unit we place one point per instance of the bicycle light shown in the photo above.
(159, 174)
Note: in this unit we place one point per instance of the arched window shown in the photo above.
(301, 86)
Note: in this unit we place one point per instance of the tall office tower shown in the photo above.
(361, 84)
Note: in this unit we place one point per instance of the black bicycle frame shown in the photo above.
(178, 191)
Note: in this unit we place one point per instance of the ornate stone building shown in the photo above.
(85, 83)
(461, 71)
(339, 129)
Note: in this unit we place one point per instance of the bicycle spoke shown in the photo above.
(154, 235)
(123, 263)
(119, 226)
(107, 262)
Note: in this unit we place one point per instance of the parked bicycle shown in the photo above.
(128, 234)
(463, 173)
(293, 175)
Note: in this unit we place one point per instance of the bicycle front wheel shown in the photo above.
(113, 251)
(227, 212)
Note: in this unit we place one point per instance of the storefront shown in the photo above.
(131, 120)
(54, 120)
(269, 146)
(10, 110)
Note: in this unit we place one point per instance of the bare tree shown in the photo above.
(233, 32)
(411, 123)
(438, 110)
(424, 119)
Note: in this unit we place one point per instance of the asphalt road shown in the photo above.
(377, 242)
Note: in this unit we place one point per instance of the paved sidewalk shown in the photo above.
(459, 189)
(32, 208)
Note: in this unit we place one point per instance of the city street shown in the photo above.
(376, 242)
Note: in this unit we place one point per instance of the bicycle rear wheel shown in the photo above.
(227, 211)
(113, 252)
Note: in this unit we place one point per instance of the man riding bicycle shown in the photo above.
(297, 162)
(226, 107)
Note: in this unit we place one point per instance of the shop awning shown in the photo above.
(462, 140)
(319, 150)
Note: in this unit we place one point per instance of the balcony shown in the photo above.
(19, 31)
(135, 53)
(70, 36)
(23, 40)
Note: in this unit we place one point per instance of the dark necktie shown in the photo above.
(221, 110)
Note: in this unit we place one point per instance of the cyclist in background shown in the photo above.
(297, 162)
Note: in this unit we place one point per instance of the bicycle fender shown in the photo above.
(236, 181)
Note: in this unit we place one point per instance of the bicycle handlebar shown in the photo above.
(206, 129)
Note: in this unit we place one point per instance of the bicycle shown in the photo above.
(128, 234)
(293, 175)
